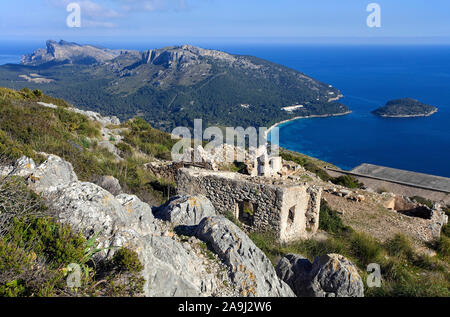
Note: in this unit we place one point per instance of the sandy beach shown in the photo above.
(307, 117)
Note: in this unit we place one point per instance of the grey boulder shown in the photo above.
(52, 175)
(295, 271)
(90, 209)
(172, 270)
(250, 270)
(139, 214)
(23, 167)
(186, 210)
(109, 183)
(330, 275)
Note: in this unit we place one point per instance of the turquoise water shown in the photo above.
(368, 77)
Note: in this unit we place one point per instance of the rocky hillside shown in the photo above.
(126, 246)
(80, 188)
(172, 86)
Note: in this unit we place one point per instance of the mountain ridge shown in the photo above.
(174, 85)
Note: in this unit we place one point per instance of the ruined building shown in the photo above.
(260, 204)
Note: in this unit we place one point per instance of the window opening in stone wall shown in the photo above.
(291, 216)
(246, 213)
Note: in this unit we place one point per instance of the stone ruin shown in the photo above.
(260, 204)
(260, 163)
(435, 216)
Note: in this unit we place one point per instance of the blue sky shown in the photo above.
(186, 21)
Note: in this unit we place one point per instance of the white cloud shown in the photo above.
(96, 24)
(93, 9)
(90, 8)
(109, 13)
(152, 5)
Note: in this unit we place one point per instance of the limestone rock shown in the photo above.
(294, 270)
(70, 53)
(48, 105)
(335, 276)
(23, 167)
(51, 175)
(250, 270)
(110, 147)
(139, 214)
(186, 210)
(6, 170)
(171, 267)
(171, 270)
(330, 275)
(110, 184)
(90, 209)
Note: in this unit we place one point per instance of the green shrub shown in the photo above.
(399, 246)
(308, 164)
(443, 246)
(365, 248)
(446, 230)
(37, 93)
(423, 201)
(49, 239)
(447, 210)
(148, 140)
(329, 220)
(127, 260)
(124, 148)
(347, 181)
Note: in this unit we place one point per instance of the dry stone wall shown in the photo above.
(290, 211)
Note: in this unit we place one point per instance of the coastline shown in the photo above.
(307, 117)
(410, 116)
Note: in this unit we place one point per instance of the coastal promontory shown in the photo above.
(172, 86)
(404, 108)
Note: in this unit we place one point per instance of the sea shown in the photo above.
(368, 76)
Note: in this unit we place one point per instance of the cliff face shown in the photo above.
(68, 53)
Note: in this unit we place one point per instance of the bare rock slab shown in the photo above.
(250, 270)
(330, 275)
(186, 210)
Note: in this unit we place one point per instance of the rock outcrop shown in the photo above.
(330, 275)
(186, 210)
(172, 267)
(50, 176)
(250, 270)
(110, 184)
(294, 270)
(69, 53)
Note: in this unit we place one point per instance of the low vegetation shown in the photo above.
(38, 255)
(423, 201)
(27, 128)
(318, 167)
(404, 272)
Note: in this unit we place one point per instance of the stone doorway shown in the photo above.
(245, 212)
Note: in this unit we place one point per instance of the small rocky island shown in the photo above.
(405, 108)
